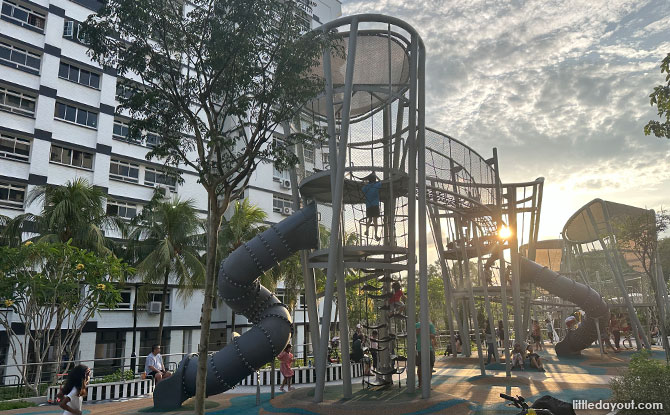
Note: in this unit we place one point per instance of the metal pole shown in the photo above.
(272, 379)
(514, 256)
(309, 281)
(426, 371)
(446, 280)
(636, 321)
(487, 300)
(344, 321)
(660, 283)
(600, 339)
(473, 309)
(501, 261)
(411, 213)
(335, 240)
(618, 275)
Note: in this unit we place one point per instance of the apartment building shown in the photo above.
(58, 121)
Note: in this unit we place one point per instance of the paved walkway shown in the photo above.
(457, 387)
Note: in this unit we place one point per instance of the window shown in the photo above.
(78, 75)
(157, 296)
(23, 14)
(17, 102)
(12, 195)
(121, 209)
(71, 157)
(152, 139)
(121, 131)
(125, 90)
(73, 31)
(124, 303)
(14, 148)
(76, 115)
(153, 177)
(281, 205)
(308, 152)
(21, 57)
(121, 170)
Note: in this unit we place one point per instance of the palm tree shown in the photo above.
(74, 212)
(165, 240)
(246, 222)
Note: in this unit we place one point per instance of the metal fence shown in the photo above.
(12, 386)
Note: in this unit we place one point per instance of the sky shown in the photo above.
(560, 87)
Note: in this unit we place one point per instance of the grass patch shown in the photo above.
(6, 406)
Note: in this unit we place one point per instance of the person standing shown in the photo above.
(74, 390)
(153, 366)
(550, 330)
(615, 328)
(374, 345)
(501, 333)
(286, 359)
(490, 343)
(433, 345)
(537, 335)
(372, 211)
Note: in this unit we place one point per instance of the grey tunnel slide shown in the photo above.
(240, 288)
(579, 294)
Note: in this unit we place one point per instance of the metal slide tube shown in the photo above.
(240, 289)
(583, 296)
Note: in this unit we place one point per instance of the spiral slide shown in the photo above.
(579, 294)
(240, 289)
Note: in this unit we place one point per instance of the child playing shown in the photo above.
(395, 302)
(74, 390)
(534, 359)
(517, 357)
(286, 359)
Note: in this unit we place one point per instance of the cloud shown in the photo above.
(560, 88)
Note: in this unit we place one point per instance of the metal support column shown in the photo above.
(337, 164)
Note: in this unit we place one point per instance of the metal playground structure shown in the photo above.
(427, 184)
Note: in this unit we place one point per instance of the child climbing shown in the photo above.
(286, 359)
(395, 302)
(371, 192)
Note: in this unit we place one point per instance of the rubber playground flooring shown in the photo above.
(457, 388)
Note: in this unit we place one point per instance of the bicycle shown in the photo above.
(522, 404)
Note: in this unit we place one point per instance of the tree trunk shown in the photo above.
(213, 223)
(166, 281)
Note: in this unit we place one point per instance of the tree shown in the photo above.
(74, 212)
(52, 288)
(165, 240)
(217, 78)
(638, 236)
(661, 99)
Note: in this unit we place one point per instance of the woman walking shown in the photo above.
(74, 390)
(286, 359)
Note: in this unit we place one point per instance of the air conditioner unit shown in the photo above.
(286, 211)
(286, 184)
(154, 307)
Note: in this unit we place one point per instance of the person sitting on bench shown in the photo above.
(154, 367)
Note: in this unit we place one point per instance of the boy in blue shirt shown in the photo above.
(371, 192)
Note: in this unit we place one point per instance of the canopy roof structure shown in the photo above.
(580, 229)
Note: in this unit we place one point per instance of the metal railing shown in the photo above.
(12, 386)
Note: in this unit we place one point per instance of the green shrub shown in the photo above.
(645, 380)
(117, 376)
(6, 406)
